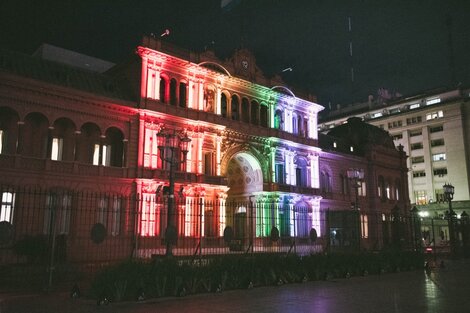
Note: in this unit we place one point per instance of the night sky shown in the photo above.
(399, 45)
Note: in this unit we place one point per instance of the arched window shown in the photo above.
(182, 95)
(325, 181)
(245, 110)
(163, 90)
(8, 130)
(264, 116)
(35, 136)
(113, 148)
(295, 124)
(301, 173)
(278, 120)
(235, 108)
(254, 112)
(223, 105)
(173, 97)
(381, 188)
(397, 190)
(63, 143)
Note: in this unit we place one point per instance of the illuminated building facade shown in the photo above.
(255, 163)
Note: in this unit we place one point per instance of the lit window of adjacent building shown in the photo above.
(57, 145)
(419, 174)
(435, 129)
(6, 210)
(417, 145)
(361, 190)
(439, 157)
(420, 197)
(418, 159)
(414, 106)
(375, 115)
(396, 110)
(433, 115)
(433, 101)
(351, 148)
(440, 171)
(437, 142)
(334, 144)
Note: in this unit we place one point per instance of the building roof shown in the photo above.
(358, 134)
(63, 75)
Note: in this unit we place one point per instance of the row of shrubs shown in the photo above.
(135, 280)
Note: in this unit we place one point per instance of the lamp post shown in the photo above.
(356, 176)
(170, 144)
(449, 195)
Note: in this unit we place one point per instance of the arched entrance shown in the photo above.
(245, 179)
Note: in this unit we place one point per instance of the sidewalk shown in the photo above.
(443, 290)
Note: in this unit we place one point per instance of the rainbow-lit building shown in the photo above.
(254, 175)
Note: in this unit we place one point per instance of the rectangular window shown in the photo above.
(396, 110)
(440, 171)
(58, 209)
(96, 155)
(418, 159)
(435, 129)
(419, 174)
(280, 175)
(375, 115)
(397, 137)
(208, 161)
(414, 106)
(433, 101)
(417, 145)
(106, 157)
(6, 210)
(116, 216)
(416, 132)
(101, 211)
(439, 157)
(364, 226)
(434, 115)
(395, 124)
(437, 142)
(56, 153)
(361, 190)
(440, 196)
(420, 197)
(414, 120)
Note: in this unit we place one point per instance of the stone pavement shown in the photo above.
(443, 290)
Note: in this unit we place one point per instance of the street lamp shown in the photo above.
(356, 176)
(170, 144)
(449, 195)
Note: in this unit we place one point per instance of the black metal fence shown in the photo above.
(51, 228)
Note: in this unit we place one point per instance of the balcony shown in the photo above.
(255, 130)
(31, 164)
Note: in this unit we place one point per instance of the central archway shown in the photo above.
(244, 176)
(245, 179)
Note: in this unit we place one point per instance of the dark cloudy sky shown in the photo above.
(399, 45)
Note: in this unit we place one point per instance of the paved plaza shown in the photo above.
(444, 290)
